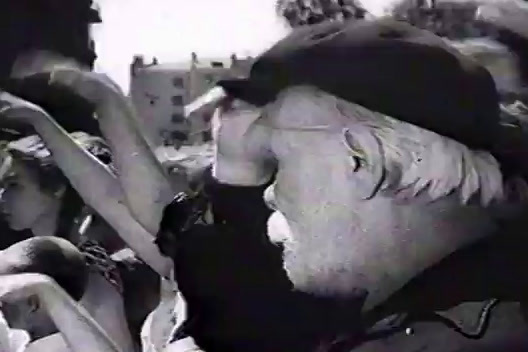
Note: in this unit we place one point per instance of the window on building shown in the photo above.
(177, 100)
(177, 118)
(217, 64)
(207, 136)
(177, 82)
(179, 136)
(210, 78)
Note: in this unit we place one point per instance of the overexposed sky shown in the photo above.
(172, 29)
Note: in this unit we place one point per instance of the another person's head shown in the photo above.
(51, 256)
(37, 195)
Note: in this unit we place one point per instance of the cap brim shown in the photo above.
(208, 101)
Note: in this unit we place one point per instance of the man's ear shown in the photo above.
(366, 157)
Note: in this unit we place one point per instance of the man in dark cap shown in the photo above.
(380, 139)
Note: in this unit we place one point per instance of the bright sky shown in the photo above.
(172, 29)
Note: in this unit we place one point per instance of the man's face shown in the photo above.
(339, 238)
(313, 197)
(312, 192)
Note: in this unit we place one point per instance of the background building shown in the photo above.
(160, 92)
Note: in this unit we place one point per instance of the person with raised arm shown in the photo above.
(53, 272)
(97, 185)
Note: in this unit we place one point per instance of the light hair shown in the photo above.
(414, 159)
(32, 151)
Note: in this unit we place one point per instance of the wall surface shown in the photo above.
(159, 95)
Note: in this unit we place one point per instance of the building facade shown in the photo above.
(160, 92)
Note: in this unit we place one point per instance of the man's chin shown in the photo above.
(309, 268)
(301, 268)
(16, 226)
(309, 276)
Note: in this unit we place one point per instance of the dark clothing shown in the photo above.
(240, 299)
(507, 331)
(57, 26)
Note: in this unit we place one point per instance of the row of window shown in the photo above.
(178, 82)
(177, 100)
(179, 136)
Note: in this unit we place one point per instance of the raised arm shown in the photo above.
(145, 183)
(94, 181)
(80, 330)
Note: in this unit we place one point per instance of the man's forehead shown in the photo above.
(239, 110)
(304, 107)
(297, 108)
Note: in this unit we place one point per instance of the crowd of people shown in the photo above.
(376, 178)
